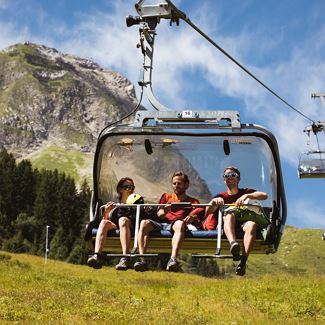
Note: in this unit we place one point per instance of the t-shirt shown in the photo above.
(229, 199)
(130, 212)
(171, 216)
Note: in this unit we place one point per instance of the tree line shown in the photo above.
(31, 200)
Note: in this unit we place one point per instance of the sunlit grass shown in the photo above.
(60, 293)
(71, 162)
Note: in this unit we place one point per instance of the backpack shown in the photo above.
(210, 222)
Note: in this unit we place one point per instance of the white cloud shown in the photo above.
(4, 4)
(305, 213)
(106, 39)
(9, 35)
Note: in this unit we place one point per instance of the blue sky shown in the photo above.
(282, 42)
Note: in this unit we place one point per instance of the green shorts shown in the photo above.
(243, 214)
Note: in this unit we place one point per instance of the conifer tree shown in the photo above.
(24, 187)
(7, 172)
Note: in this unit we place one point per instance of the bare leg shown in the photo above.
(143, 235)
(178, 237)
(125, 234)
(104, 227)
(249, 237)
(229, 227)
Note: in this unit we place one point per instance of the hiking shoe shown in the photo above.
(172, 265)
(241, 269)
(141, 265)
(95, 261)
(123, 264)
(235, 251)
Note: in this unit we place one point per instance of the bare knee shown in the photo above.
(107, 224)
(124, 222)
(250, 227)
(146, 225)
(179, 226)
(229, 219)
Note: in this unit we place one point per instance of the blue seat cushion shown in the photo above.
(188, 234)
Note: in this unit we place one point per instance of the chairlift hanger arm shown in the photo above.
(149, 17)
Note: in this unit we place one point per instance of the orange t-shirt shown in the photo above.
(171, 216)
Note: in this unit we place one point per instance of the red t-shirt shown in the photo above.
(179, 214)
(229, 199)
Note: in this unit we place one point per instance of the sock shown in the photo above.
(243, 260)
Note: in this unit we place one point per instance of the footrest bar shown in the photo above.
(211, 256)
(131, 255)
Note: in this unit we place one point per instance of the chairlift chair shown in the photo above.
(312, 164)
(201, 144)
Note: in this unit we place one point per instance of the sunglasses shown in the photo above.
(233, 175)
(128, 187)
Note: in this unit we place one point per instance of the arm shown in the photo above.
(214, 204)
(161, 213)
(107, 208)
(255, 195)
(194, 216)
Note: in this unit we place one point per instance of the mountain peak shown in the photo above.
(46, 95)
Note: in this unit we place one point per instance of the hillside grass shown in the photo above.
(301, 252)
(60, 293)
(72, 162)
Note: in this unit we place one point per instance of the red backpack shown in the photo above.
(210, 222)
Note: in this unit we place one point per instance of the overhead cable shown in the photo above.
(124, 117)
(186, 19)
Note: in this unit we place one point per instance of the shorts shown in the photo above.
(243, 215)
(158, 226)
(118, 213)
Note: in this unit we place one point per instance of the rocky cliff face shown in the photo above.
(53, 106)
(46, 95)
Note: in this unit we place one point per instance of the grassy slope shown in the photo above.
(59, 293)
(301, 252)
(72, 162)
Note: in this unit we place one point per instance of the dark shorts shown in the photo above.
(158, 226)
(129, 213)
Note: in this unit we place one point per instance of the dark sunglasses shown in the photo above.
(230, 175)
(128, 187)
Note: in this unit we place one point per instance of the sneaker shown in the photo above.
(123, 264)
(141, 265)
(95, 261)
(172, 265)
(241, 269)
(235, 251)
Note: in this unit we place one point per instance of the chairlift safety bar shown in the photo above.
(177, 205)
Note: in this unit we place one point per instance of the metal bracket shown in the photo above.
(189, 119)
(321, 96)
(166, 10)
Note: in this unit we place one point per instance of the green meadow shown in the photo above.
(72, 162)
(274, 291)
